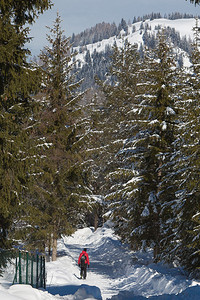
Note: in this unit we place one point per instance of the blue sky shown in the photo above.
(78, 15)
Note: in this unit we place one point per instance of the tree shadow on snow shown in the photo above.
(81, 291)
(191, 293)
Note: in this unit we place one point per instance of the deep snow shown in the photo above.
(115, 273)
(183, 26)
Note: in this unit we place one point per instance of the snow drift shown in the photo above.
(115, 273)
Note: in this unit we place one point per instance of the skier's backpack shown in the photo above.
(83, 260)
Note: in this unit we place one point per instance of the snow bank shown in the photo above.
(20, 292)
(81, 291)
(115, 273)
(115, 270)
(26, 292)
(6, 296)
(192, 293)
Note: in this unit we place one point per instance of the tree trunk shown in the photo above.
(156, 252)
(49, 249)
(54, 249)
(96, 221)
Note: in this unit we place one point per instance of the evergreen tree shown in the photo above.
(121, 116)
(17, 82)
(186, 208)
(156, 143)
(140, 112)
(94, 156)
(60, 182)
(24, 12)
(123, 25)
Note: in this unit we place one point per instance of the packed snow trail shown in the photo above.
(103, 269)
(115, 273)
(113, 269)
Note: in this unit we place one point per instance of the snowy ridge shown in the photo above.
(183, 26)
(115, 273)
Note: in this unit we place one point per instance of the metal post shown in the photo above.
(37, 270)
(20, 268)
(41, 272)
(27, 260)
(16, 268)
(44, 273)
(32, 270)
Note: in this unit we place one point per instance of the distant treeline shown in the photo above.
(98, 63)
(104, 30)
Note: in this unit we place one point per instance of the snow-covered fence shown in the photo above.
(30, 269)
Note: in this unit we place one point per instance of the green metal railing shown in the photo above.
(30, 269)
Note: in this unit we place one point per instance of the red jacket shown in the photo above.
(87, 257)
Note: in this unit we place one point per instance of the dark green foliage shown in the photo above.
(17, 81)
(5, 258)
(120, 117)
(187, 166)
(195, 245)
(141, 131)
(147, 143)
(25, 11)
(159, 111)
(140, 113)
(58, 179)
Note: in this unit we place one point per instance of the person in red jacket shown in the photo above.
(83, 262)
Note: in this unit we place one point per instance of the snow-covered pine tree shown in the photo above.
(194, 245)
(193, 149)
(157, 103)
(59, 184)
(94, 155)
(187, 206)
(121, 117)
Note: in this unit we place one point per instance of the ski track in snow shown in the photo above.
(115, 273)
(113, 268)
(102, 269)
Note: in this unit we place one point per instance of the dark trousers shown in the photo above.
(84, 271)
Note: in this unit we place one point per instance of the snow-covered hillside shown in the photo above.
(135, 34)
(115, 273)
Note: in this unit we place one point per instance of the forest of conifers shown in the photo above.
(126, 149)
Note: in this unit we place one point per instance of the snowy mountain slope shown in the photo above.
(135, 34)
(115, 273)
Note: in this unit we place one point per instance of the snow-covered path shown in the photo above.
(115, 273)
(113, 269)
(105, 253)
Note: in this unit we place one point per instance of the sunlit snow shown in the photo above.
(183, 26)
(115, 273)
